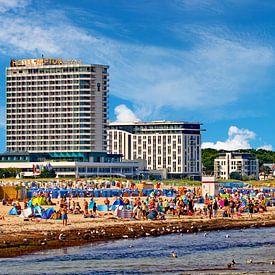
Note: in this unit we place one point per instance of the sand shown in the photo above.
(20, 237)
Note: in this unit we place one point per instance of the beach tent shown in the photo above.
(103, 208)
(26, 213)
(118, 202)
(13, 211)
(48, 213)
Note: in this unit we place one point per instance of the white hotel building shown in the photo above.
(243, 163)
(174, 146)
(56, 105)
(57, 112)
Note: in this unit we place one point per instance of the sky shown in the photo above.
(206, 61)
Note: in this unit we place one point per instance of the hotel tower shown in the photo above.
(56, 105)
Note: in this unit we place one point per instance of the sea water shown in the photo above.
(201, 253)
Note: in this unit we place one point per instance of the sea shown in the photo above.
(253, 251)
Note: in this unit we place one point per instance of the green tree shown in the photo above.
(235, 176)
(45, 173)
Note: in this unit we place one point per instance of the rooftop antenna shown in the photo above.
(42, 55)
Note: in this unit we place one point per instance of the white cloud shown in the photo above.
(124, 114)
(214, 72)
(237, 139)
(267, 147)
(6, 5)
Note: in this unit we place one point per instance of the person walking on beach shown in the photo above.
(232, 205)
(251, 208)
(215, 208)
(210, 209)
(64, 212)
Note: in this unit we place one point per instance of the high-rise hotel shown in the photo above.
(56, 105)
(57, 112)
(174, 146)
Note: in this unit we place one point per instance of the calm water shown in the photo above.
(197, 254)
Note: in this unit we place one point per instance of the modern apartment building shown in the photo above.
(175, 146)
(56, 105)
(242, 163)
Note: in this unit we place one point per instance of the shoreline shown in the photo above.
(30, 241)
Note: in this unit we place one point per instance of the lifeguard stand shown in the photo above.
(210, 186)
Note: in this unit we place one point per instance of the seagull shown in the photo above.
(233, 262)
(249, 261)
(229, 265)
(272, 262)
(226, 236)
(174, 254)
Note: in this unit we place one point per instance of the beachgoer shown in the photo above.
(64, 216)
(232, 205)
(251, 208)
(210, 209)
(215, 208)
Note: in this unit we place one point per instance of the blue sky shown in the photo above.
(210, 61)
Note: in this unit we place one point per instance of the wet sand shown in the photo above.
(19, 237)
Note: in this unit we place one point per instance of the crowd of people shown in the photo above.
(189, 202)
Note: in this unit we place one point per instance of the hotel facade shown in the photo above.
(56, 105)
(57, 112)
(243, 163)
(172, 146)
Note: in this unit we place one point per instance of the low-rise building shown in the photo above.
(242, 163)
(100, 165)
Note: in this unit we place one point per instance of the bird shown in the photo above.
(205, 234)
(61, 237)
(249, 261)
(233, 262)
(174, 254)
(226, 236)
(229, 265)
(272, 262)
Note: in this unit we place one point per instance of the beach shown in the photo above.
(19, 237)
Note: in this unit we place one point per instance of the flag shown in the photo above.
(37, 169)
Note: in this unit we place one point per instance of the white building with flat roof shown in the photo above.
(56, 105)
(175, 146)
(243, 163)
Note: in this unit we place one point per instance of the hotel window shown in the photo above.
(159, 160)
(159, 150)
(174, 145)
(179, 139)
(144, 145)
(159, 140)
(149, 140)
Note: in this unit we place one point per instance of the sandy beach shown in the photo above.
(20, 237)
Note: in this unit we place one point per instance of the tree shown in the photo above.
(46, 173)
(235, 176)
(151, 177)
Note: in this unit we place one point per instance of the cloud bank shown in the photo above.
(215, 71)
(237, 139)
(124, 114)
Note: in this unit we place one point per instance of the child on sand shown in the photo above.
(64, 215)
